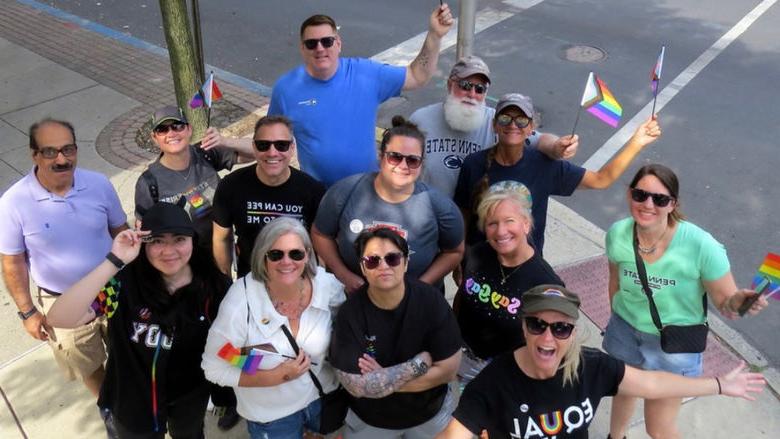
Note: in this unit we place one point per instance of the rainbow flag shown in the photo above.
(207, 94)
(598, 100)
(770, 269)
(655, 75)
(247, 363)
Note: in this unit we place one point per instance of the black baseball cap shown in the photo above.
(167, 218)
(167, 113)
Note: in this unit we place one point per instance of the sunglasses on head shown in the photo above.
(660, 200)
(280, 145)
(176, 126)
(521, 121)
(50, 152)
(559, 330)
(391, 259)
(395, 159)
(276, 255)
(479, 89)
(326, 42)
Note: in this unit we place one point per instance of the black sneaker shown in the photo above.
(228, 419)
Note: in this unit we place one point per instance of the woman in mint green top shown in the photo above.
(683, 262)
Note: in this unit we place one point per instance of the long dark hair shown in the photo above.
(668, 178)
(200, 297)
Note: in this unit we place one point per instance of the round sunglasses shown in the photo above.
(559, 330)
(660, 200)
(50, 152)
(276, 255)
(395, 159)
(311, 43)
(391, 259)
(265, 145)
(176, 127)
(504, 120)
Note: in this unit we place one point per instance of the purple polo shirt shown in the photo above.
(64, 237)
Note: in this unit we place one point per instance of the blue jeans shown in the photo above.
(288, 427)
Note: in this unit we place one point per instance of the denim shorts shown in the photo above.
(288, 427)
(643, 350)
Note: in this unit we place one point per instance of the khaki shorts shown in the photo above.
(79, 351)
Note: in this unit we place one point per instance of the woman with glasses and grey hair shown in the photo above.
(249, 346)
(495, 275)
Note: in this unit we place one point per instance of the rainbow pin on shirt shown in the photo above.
(247, 363)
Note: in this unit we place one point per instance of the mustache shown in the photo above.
(62, 167)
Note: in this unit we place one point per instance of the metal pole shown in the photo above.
(198, 41)
(467, 11)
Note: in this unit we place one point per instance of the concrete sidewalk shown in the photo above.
(107, 89)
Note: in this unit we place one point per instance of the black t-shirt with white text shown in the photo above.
(508, 404)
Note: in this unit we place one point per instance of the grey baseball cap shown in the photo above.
(167, 113)
(551, 298)
(518, 100)
(470, 65)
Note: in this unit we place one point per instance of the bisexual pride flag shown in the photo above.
(770, 269)
(598, 101)
(207, 94)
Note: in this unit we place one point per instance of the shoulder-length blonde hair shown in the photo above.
(265, 240)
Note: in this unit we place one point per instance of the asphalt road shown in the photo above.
(720, 130)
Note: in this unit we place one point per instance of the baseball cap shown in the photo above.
(167, 218)
(518, 100)
(551, 298)
(470, 65)
(167, 113)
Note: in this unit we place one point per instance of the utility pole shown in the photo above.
(467, 11)
(184, 66)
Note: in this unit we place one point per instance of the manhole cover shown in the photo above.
(583, 53)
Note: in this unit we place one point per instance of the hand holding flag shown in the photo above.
(207, 94)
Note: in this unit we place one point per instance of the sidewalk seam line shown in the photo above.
(96, 84)
(22, 355)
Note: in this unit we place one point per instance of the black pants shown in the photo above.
(185, 419)
(222, 396)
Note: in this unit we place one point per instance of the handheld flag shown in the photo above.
(598, 101)
(207, 94)
(770, 269)
(247, 363)
(655, 75)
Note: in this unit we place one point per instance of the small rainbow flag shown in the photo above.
(207, 94)
(770, 269)
(655, 75)
(598, 100)
(247, 363)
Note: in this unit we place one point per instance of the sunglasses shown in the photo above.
(559, 330)
(327, 42)
(391, 259)
(50, 152)
(176, 126)
(395, 159)
(280, 145)
(505, 119)
(276, 255)
(660, 200)
(479, 89)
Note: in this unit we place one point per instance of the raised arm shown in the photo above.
(381, 382)
(242, 146)
(419, 72)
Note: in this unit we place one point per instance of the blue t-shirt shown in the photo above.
(333, 120)
(542, 175)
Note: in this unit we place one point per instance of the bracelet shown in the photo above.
(114, 259)
(720, 389)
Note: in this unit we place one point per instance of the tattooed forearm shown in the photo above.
(381, 382)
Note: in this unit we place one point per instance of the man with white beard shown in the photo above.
(463, 125)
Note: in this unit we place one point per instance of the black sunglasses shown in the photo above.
(505, 119)
(276, 255)
(176, 126)
(395, 159)
(280, 145)
(660, 200)
(50, 152)
(479, 89)
(391, 259)
(560, 330)
(326, 42)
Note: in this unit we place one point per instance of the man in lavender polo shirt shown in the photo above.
(56, 224)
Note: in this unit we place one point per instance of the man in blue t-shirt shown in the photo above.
(332, 101)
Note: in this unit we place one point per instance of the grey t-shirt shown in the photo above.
(196, 184)
(428, 220)
(446, 148)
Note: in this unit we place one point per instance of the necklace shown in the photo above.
(504, 277)
(292, 309)
(652, 248)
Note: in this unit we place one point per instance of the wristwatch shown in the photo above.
(28, 314)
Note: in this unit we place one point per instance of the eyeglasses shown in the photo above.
(280, 145)
(467, 86)
(660, 200)
(50, 152)
(391, 259)
(505, 119)
(276, 255)
(559, 330)
(395, 159)
(326, 42)
(176, 127)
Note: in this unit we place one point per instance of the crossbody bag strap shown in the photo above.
(296, 349)
(640, 268)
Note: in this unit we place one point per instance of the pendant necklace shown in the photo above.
(651, 249)
(504, 277)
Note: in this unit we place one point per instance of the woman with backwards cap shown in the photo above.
(160, 293)
(551, 387)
